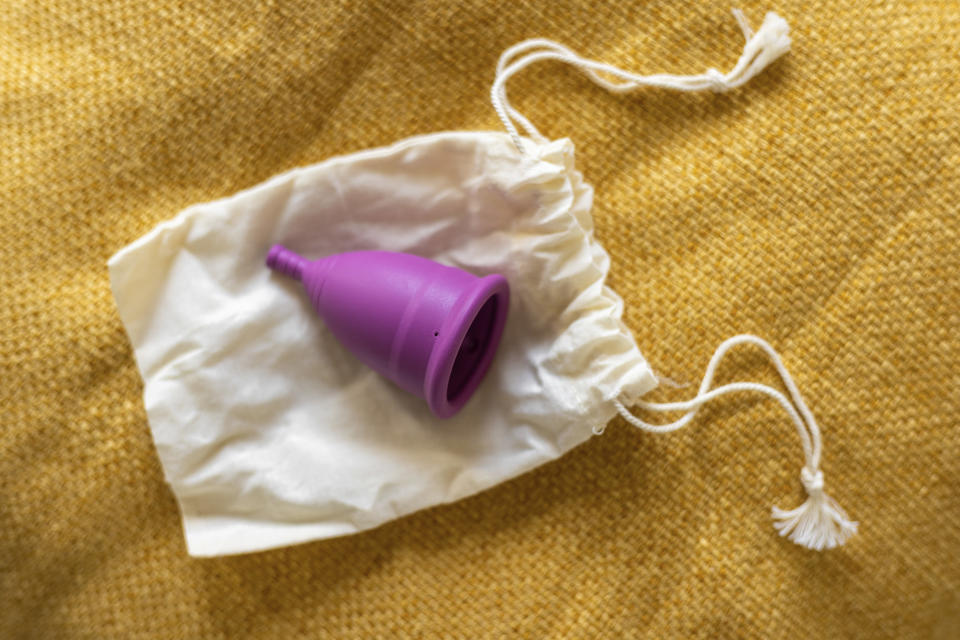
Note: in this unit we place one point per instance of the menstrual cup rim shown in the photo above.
(452, 333)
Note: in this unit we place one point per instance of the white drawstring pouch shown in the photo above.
(270, 433)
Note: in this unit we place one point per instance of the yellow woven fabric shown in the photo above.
(817, 206)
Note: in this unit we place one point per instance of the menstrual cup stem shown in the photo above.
(285, 261)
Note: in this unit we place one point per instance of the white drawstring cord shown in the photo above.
(819, 523)
(763, 47)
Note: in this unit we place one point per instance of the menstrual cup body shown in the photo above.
(431, 329)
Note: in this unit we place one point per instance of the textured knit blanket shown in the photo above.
(816, 206)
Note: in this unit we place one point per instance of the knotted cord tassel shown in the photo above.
(768, 43)
(819, 523)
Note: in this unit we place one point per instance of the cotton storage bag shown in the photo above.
(270, 433)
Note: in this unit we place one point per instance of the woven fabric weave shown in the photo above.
(817, 206)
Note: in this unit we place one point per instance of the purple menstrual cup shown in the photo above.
(430, 328)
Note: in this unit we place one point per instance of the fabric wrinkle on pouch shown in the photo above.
(270, 433)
